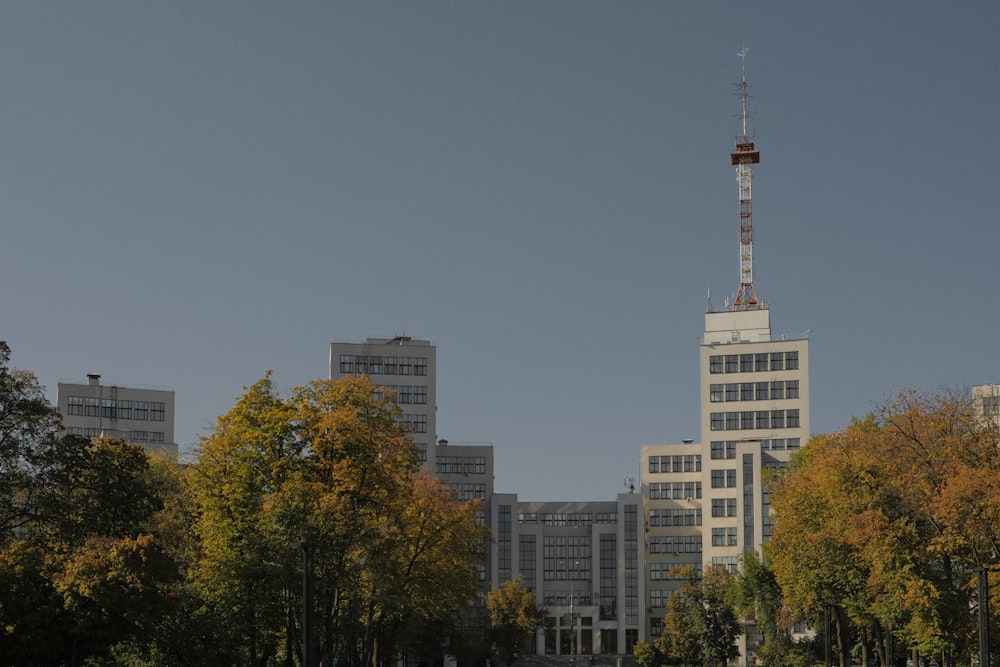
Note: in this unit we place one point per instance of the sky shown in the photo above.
(194, 193)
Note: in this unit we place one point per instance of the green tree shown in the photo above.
(515, 618)
(718, 625)
(680, 641)
(27, 431)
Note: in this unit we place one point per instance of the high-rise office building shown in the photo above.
(405, 366)
(141, 415)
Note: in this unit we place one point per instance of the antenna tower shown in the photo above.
(744, 156)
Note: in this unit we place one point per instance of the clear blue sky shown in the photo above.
(192, 193)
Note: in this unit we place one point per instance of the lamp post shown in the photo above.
(308, 642)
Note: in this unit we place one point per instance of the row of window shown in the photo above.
(724, 479)
(567, 518)
(413, 423)
(991, 405)
(109, 408)
(380, 365)
(675, 544)
(468, 491)
(402, 394)
(723, 506)
(674, 490)
(666, 571)
(753, 391)
(675, 463)
(751, 419)
(723, 537)
(470, 465)
(675, 517)
(753, 363)
(133, 436)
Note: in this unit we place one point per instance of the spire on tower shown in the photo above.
(745, 155)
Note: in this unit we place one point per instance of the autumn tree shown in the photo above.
(885, 522)
(515, 617)
(329, 468)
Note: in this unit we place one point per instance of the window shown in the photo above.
(746, 419)
(792, 389)
(692, 489)
(777, 419)
(716, 421)
(91, 407)
(793, 443)
(777, 390)
(763, 419)
(718, 507)
(718, 537)
(75, 406)
(347, 363)
(654, 491)
(730, 537)
(792, 418)
(746, 363)
(654, 464)
(732, 421)
(777, 361)
(730, 506)
(732, 392)
(715, 393)
(718, 450)
(715, 363)
(141, 410)
(760, 361)
(692, 463)
(762, 391)
(108, 408)
(124, 409)
(731, 478)
(991, 405)
(791, 361)
(156, 411)
(732, 363)
(718, 479)
(746, 391)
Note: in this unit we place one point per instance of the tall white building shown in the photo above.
(141, 415)
(405, 366)
(705, 502)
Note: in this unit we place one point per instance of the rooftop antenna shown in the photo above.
(744, 156)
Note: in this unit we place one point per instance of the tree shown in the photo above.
(515, 618)
(886, 521)
(680, 640)
(394, 554)
(27, 430)
(718, 625)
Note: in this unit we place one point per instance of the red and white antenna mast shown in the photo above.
(744, 156)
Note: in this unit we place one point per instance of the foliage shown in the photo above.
(718, 625)
(395, 555)
(27, 432)
(887, 520)
(515, 617)
(646, 654)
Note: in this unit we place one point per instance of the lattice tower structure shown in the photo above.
(745, 155)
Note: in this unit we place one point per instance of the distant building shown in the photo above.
(142, 416)
(404, 366)
(583, 562)
(986, 401)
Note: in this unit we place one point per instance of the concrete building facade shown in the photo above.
(143, 416)
(704, 503)
(582, 561)
(405, 366)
